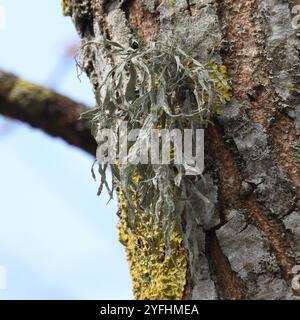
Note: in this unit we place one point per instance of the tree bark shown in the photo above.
(246, 243)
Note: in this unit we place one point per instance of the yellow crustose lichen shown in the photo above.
(30, 96)
(224, 89)
(155, 275)
(65, 7)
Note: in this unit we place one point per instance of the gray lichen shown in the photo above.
(142, 88)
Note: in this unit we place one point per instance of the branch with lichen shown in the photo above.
(45, 109)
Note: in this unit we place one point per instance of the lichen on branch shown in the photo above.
(45, 109)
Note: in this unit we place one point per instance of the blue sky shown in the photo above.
(58, 240)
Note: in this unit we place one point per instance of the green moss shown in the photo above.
(29, 96)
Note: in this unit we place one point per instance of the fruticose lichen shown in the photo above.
(159, 86)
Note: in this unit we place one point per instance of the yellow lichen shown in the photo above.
(65, 7)
(29, 96)
(172, 3)
(189, 64)
(294, 88)
(155, 274)
(223, 88)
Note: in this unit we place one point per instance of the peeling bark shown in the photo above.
(246, 244)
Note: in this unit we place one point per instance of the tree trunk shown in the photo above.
(245, 242)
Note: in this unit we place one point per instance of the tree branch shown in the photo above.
(45, 109)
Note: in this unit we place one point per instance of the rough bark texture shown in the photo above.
(45, 109)
(248, 240)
